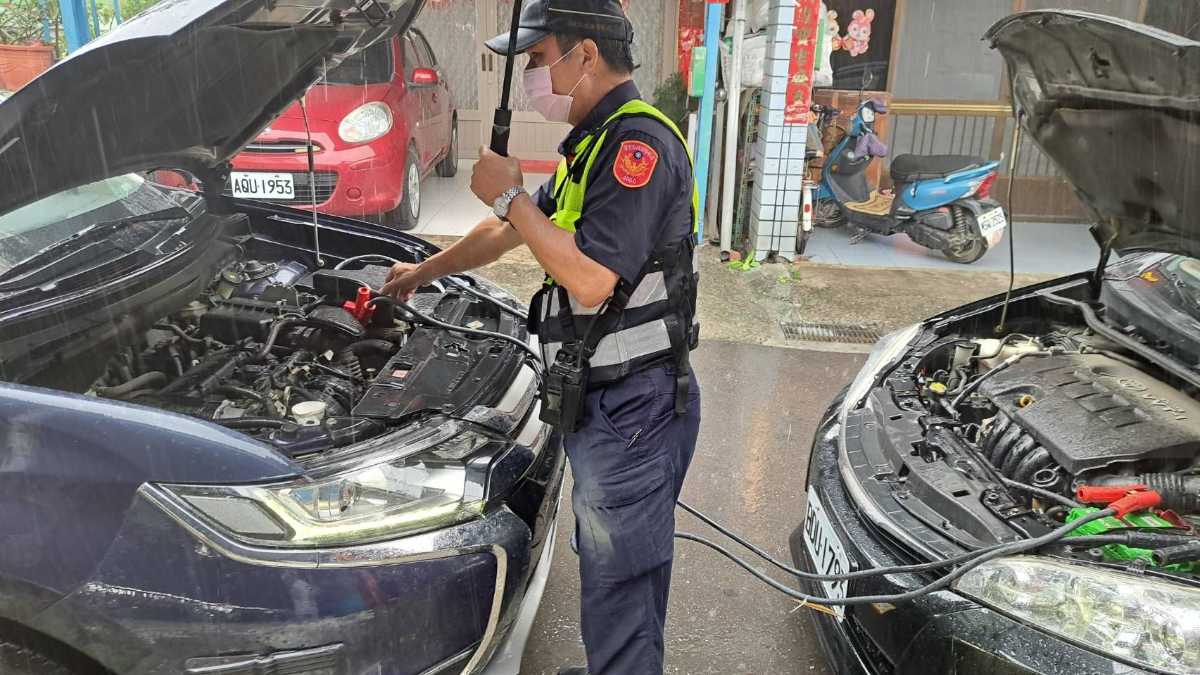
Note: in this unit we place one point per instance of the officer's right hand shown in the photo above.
(402, 281)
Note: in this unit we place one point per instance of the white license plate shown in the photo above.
(255, 185)
(992, 221)
(825, 549)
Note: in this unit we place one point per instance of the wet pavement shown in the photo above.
(760, 407)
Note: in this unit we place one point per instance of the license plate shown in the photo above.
(262, 185)
(825, 549)
(992, 221)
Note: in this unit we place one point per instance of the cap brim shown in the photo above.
(526, 38)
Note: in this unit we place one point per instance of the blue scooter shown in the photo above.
(940, 201)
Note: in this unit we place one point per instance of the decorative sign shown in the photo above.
(803, 57)
(860, 34)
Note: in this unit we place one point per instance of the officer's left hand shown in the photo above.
(493, 174)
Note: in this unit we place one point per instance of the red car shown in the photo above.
(380, 121)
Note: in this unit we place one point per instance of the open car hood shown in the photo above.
(185, 84)
(1116, 105)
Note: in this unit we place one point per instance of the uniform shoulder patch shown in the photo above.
(635, 164)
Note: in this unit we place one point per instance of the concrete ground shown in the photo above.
(1040, 248)
(748, 473)
(748, 306)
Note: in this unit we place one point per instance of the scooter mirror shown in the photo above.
(868, 114)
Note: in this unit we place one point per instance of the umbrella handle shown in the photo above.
(502, 120)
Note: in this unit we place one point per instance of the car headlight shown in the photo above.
(436, 480)
(884, 354)
(1150, 621)
(366, 123)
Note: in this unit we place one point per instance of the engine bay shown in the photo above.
(307, 359)
(986, 440)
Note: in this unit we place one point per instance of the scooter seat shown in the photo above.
(912, 168)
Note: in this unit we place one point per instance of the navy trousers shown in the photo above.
(629, 456)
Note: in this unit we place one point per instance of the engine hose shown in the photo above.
(276, 329)
(174, 328)
(371, 346)
(253, 423)
(349, 362)
(154, 378)
(400, 304)
(243, 392)
(1005, 365)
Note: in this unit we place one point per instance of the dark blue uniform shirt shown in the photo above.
(621, 226)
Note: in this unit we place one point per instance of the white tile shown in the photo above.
(769, 182)
(774, 117)
(790, 197)
(787, 247)
(792, 166)
(773, 67)
(767, 197)
(789, 214)
(764, 244)
(774, 135)
(770, 165)
(781, 49)
(774, 151)
(794, 150)
(792, 182)
(765, 212)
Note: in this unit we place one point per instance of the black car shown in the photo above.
(1001, 421)
(220, 451)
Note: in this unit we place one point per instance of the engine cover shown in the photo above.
(1090, 411)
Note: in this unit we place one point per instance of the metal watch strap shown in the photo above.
(508, 196)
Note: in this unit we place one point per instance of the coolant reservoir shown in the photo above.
(991, 354)
(309, 413)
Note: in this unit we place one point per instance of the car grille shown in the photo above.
(326, 183)
(281, 146)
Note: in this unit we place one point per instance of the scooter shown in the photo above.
(940, 201)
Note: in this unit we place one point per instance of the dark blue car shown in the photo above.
(220, 452)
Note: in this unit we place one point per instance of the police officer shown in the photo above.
(614, 232)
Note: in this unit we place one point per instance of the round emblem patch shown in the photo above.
(635, 164)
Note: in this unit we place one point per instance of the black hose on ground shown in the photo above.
(154, 378)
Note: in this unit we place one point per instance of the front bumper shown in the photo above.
(175, 595)
(938, 633)
(362, 180)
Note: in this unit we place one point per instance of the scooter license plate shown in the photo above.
(991, 222)
(825, 549)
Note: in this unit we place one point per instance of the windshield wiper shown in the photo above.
(63, 254)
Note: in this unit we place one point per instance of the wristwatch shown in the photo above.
(500, 206)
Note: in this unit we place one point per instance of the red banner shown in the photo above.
(803, 57)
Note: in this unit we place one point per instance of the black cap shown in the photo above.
(542, 18)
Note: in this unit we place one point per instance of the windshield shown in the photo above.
(30, 228)
(373, 65)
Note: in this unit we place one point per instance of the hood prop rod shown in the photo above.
(502, 120)
(1012, 253)
(1106, 248)
(312, 182)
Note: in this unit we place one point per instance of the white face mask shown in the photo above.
(539, 89)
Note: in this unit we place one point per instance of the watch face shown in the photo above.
(500, 206)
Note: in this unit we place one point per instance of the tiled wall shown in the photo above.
(779, 151)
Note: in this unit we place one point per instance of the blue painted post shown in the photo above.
(75, 23)
(712, 33)
(95, 19)
(45, 11)
(117, 11)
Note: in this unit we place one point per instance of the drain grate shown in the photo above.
(829, 332)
